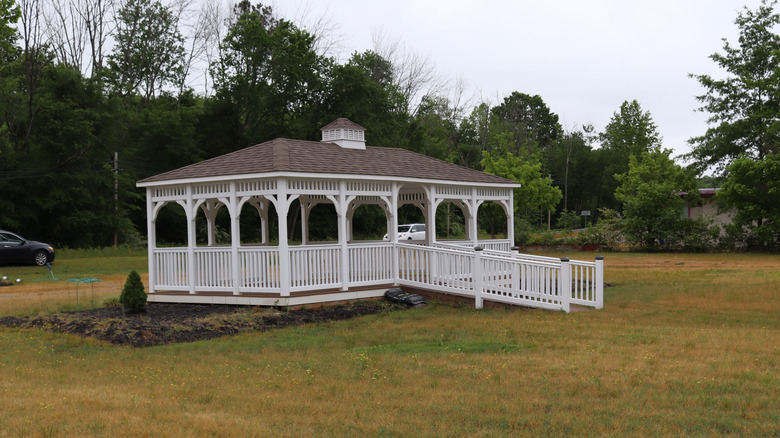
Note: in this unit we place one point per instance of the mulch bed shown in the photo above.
(165, 323)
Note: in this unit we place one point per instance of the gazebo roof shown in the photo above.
(312, 157)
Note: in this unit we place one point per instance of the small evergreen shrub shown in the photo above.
(133, 296)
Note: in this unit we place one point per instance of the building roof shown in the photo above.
(313, 157)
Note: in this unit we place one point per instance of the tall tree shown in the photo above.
(362, 91)
(752, 192)
(537, 192)
(270, 72)
(9, 13)
(744, 107)
(653, 192)
(629, 133)
(149, 49)
(528, 123)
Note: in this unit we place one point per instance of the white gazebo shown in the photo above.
(340, 170)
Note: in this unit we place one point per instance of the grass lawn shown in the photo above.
(45, 291)
(687, 345)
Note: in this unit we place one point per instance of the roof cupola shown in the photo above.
(344, 133)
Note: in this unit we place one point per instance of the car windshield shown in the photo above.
(404, 228)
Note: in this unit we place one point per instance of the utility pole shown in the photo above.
(116, 199)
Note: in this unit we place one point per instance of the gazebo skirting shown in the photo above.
(268, 276)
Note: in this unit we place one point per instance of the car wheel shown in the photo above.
(41, 258)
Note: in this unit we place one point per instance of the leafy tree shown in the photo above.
(362, 92)
(630, 132)
(744, 107)
(568, 220)
(526, 122)
(149, 49)
(752, 192)
(133, 297)
(9, 13)
(270, 72)
(573, 164)
(653, 193)
(536, 194)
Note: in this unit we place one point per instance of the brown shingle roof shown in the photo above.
(300, 156)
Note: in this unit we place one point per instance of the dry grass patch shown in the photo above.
(690, 350)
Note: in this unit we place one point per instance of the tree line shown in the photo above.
(160, 86)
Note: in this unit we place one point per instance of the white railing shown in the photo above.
(213, 269)
(503, 245)
(588, 283)
(315, 267)
(506, 277)
(449, 270)
(528, 283)
(259, 269)
(170, 268)
(370, 263)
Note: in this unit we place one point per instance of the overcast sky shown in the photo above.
(583, 57)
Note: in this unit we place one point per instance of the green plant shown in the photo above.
(111, 302)
(607, 232)
(568, 220)
(133, 296)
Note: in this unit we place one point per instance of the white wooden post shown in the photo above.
(472, 222)
(515, 272)
(282, 208)
(305, 209)
(477, 279)
(151, 231)
(341, 209)
(599, 282)
(191, 242)
(430, 226)
(210, 210)
(510, 218)
(392, 233)
(564, 284)
(235, 237)
(264, 223)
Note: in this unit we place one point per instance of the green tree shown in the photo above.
(653, 192)
(573, 164)
(149, 50)
(9, 14)
(270, 73)
(630, 132)
(752, 192)
(526, 124)
(133, 297)
(536, 194)
(744, 107)
(362, 92)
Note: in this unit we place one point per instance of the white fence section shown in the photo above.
(259, 269)
(448, 270)
(170, 269)
(503, 245)
(528, 283)
(506, 277)
(315, 267)
(370, 264)
(213, 269)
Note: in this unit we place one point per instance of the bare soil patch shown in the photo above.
(165, 323)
